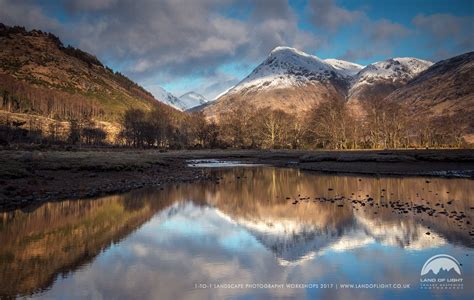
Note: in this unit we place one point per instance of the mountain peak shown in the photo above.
(285, 50)
(286, 66)
(400, 68)
(293, 55)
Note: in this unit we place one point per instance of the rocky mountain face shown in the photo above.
(444, 89)
(35, 67)
(295, 81)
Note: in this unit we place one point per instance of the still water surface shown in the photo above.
(257, 226)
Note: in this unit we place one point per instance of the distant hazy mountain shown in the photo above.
(184, 102)
(192, 99)
(166, 97)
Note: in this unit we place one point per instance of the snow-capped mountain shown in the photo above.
(184, 102)
(287, 66)
(166, 97)
(192, 99)
(289, 79)
(295, 81)
(394, 69)
(344, 67)
(376, 81)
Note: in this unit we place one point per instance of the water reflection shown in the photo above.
(241, 228)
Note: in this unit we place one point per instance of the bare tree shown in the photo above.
(328, 125)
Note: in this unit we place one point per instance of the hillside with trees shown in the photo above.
(46, 86)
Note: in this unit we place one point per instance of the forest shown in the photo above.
(331, 125)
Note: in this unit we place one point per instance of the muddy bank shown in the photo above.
(32, 177)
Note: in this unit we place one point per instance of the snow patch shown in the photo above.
(399, 68)
(344, 67)
(167, 98)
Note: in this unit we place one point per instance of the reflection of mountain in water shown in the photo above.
(58, 238)
(294, 242)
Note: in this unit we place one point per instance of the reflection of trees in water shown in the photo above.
(57, 238)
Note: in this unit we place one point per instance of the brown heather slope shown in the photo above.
(292, 100)
(444, 89)
(35, 66)
(363, 95)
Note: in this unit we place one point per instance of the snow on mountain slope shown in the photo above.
(192, 99)
(401, 69)
(285, 67)
(378, 80)
(166, 97)
(344, 67)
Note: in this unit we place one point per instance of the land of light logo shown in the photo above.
(441, 271)
(441, 262)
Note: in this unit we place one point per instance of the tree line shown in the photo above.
(51, 132)
(331, 125)
(19, 97)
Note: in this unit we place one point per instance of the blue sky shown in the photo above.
(209, 45)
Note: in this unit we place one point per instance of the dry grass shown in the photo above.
(17, 164)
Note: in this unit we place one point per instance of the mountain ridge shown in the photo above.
(291, 75)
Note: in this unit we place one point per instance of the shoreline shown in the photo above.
(29, 178)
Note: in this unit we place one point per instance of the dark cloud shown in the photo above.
(358, 54)
(383, 31)
(173, 38)
(26, 13)
(376, 38)
(89, 5)
(183, 37)
(450, 35)
(327, 15)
